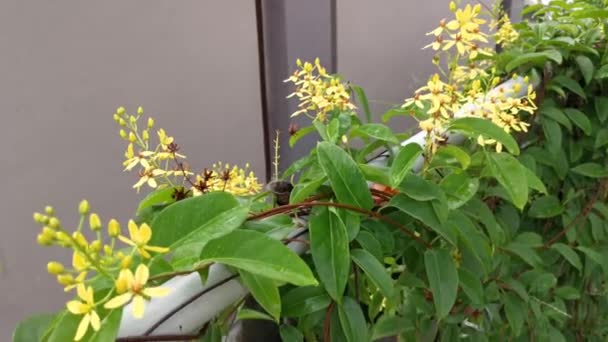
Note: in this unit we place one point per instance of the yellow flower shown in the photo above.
(79, 262)
(140, 236)
(466, 18)
(133, 160)
(148, 177)
(85, 307)
(134, 288)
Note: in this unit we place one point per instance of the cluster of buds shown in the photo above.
(97, 257)
(222, 177)
(319, 93)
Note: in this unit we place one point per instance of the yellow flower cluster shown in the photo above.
(154, 161)
(465, 88)
(102, 259)
(506, 34)
(318, 92)
(222, 177)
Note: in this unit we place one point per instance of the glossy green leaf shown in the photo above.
(580, 119)
(567, 293)
(352, 321)
(157, 197)
(569, 254)
(459, 188)
(362, 100)
(376, 174)
(330, 253)
(374, 270)
(424, 212)
(553, 135)
(570, 84)
(420, 189)
(534, 182)
(526, 253)
(265, 292)
(245, 313)
(536, 58)
(33, 328)
(472, 240)
(515, 310)
(302, 301)
(369, 242)
(198, 220)
(259, 254)
(299, 134)
(403, 163)
(545, 206)
(456, 153)
(443, 280)
(594, 255)
(511, 175)
(65, 328)
(343, 173)
(477, 126)
(304, 190)
(389, 325)
(601, 107)
(289, 333)
(601, 138)
(557, 115)
(586, 67)
(592, 170)
(376, 131)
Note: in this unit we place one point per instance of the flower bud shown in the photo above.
(44, 240)
(38, 218)
(132, 137)
(107, 250)
(95, 246)
(49, 210)
(120, 110)
(113, 228)
(123, 134)
(121, 284)
(65, 279)
(145, 135)
(63, 238)
(84, 207)
(94, 222)
(452, 6)
(54, 267)
(80, 239)
(150, 122)
(126, 262)
(140, 110)
(54, 223)
(48, 231)
(116, 117)
(122, 122)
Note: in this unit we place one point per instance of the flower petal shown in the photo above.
(126, 240)
(156, 291)
(95, 321)
(133, 230)
(118, 301)
(141, 274)
(157, 249)
(76, 307)
(138, 306)
(145, 233)
(82, 327)
(82, 292)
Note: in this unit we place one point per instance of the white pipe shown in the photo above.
(193, 316)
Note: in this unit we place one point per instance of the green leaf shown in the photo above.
(362, 99)
(509, 172)
(478, 126)
(374, 270)
(352, 321)
(515, 310)
(109, 327)
(569, 254)
(601, 138)
(346, 179)
(376, 174)
(304, 190)
(570, 84)
(526, 253)
(396, 111)
(265, 292)
(595, 256)
(259, 254)
(443, 280)
(388, 326)
(545, 207)
(553, 135)
(536, 58)
(403, 163)
(580, 119)
(65, 328)
(302, 301)
(33, 328)
(459, 188)
(299, 134)
(424, 212)
(330, 253)
(376, 131)
(592, 170)
(602, 72)
(567, 293)
(471, 285)
(245, 313)
(162, 196)
(420, 189)
(198, 220)
(451, 151)
(289, 333)
(370, 244)
(478, 210)
(601, 107)
(534, 182)
(586, 67)
(557, 115)
(473, 241)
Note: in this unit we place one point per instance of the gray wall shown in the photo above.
(64, 68)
